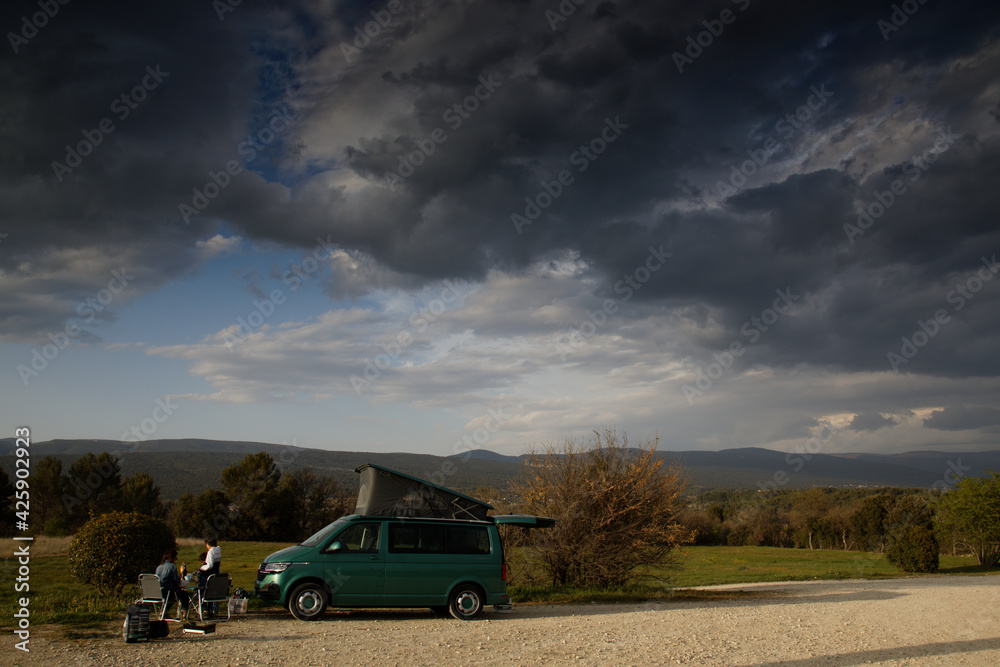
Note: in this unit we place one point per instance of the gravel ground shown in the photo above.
(921, 621)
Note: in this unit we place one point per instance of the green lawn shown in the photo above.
(704, 566)
(58, 598)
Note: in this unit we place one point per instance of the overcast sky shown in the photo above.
(391, 226)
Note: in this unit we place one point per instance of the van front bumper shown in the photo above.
(268, 592)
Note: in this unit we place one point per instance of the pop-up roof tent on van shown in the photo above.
(385, 492)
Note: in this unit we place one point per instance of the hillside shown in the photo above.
(192, 465)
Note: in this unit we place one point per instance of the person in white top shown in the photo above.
(213, 562)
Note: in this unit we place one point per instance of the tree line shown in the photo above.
(963, 520)
(255, 500)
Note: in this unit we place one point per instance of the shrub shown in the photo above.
(913, 548)
(617, 509)
(970, 517)
(110, 551)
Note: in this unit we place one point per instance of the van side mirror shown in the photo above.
(336, 545)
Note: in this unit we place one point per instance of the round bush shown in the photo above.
(111, 551)
(913, 549)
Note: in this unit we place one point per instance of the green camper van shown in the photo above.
(409, 543)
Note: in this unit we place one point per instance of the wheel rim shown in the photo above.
(308, 602)
(467, 603)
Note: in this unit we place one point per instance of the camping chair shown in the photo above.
(216, 590)
(149, 586)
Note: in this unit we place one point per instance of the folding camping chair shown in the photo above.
(216, 590)
(149, 586)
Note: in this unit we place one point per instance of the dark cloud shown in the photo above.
(658, 183)
(963, 418)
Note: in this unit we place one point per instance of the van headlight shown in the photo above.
(274, 568)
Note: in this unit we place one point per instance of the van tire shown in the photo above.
(466, 602)
(308, 601)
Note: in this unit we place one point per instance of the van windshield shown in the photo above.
(326, 532)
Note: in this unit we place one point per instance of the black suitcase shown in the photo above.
(136, 624)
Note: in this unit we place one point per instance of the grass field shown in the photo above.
(704, 566)
(56, 597)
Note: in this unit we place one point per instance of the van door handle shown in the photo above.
(376, 558)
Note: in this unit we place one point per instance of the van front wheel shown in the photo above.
(307, 602)
(466, 602)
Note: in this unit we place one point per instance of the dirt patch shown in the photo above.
(921, 621)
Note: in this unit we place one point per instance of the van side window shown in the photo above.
(402, 539)
(468, 540)
(430, 539)
(361, 537)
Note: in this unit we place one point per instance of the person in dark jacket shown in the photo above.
(170, 582)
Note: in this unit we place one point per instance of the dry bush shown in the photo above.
(618, 510)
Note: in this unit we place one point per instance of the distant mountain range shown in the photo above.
(192, 465)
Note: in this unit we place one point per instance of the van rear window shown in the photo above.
(431, 539)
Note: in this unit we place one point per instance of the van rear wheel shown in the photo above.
(307, 602)
(466, 602)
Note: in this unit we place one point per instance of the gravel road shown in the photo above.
(920, 621)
